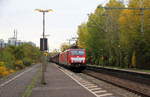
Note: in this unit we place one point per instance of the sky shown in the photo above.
(61, 24)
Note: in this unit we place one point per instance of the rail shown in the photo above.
(137, 82)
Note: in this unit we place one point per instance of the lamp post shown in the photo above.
(43, 46)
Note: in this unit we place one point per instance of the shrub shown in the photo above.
(2, 63)
(11, 71)
(4, 71)
(19, 64)
(27, 61)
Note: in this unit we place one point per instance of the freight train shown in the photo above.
(72, 58)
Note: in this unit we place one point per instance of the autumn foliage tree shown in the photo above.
(114, 37)
(64, 47)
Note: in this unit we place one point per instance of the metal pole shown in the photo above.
(1, 45)
(44, 58)
(43, 28)
(142, 15)
(69, 41)
(43, 49)
(142, 21)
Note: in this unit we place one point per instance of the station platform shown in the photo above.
(59, 84)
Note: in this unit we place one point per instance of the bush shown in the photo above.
(2, 63)
(5, 71)
(19, 64)
(11, 71)
(27, 61)
(2, 69)
(17, 57)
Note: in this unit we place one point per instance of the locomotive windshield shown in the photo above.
(77, 52)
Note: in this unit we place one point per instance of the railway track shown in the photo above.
(138, 83)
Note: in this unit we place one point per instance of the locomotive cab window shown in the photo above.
(81, 52)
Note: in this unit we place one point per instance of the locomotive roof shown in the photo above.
(74, 49)
(71, 50)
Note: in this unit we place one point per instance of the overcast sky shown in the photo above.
(60, 25)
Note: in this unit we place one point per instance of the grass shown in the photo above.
(29, 88)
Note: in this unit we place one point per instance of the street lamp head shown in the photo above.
(41, 10)
(74, 38)
(49, 10)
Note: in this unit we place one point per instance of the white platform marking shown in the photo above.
(103, 95)
(94, 89)
(100, 91)
(86, 85)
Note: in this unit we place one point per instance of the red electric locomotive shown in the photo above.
(73, 58)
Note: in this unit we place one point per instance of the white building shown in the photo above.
(12, 41)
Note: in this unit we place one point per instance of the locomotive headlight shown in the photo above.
(78, 59)
(83, 60)
(72, 59)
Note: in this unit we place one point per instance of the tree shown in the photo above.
(133, 40)
(116, 35)
(64, 47)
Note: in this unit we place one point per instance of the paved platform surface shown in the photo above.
(16, 84)
(59, 85)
